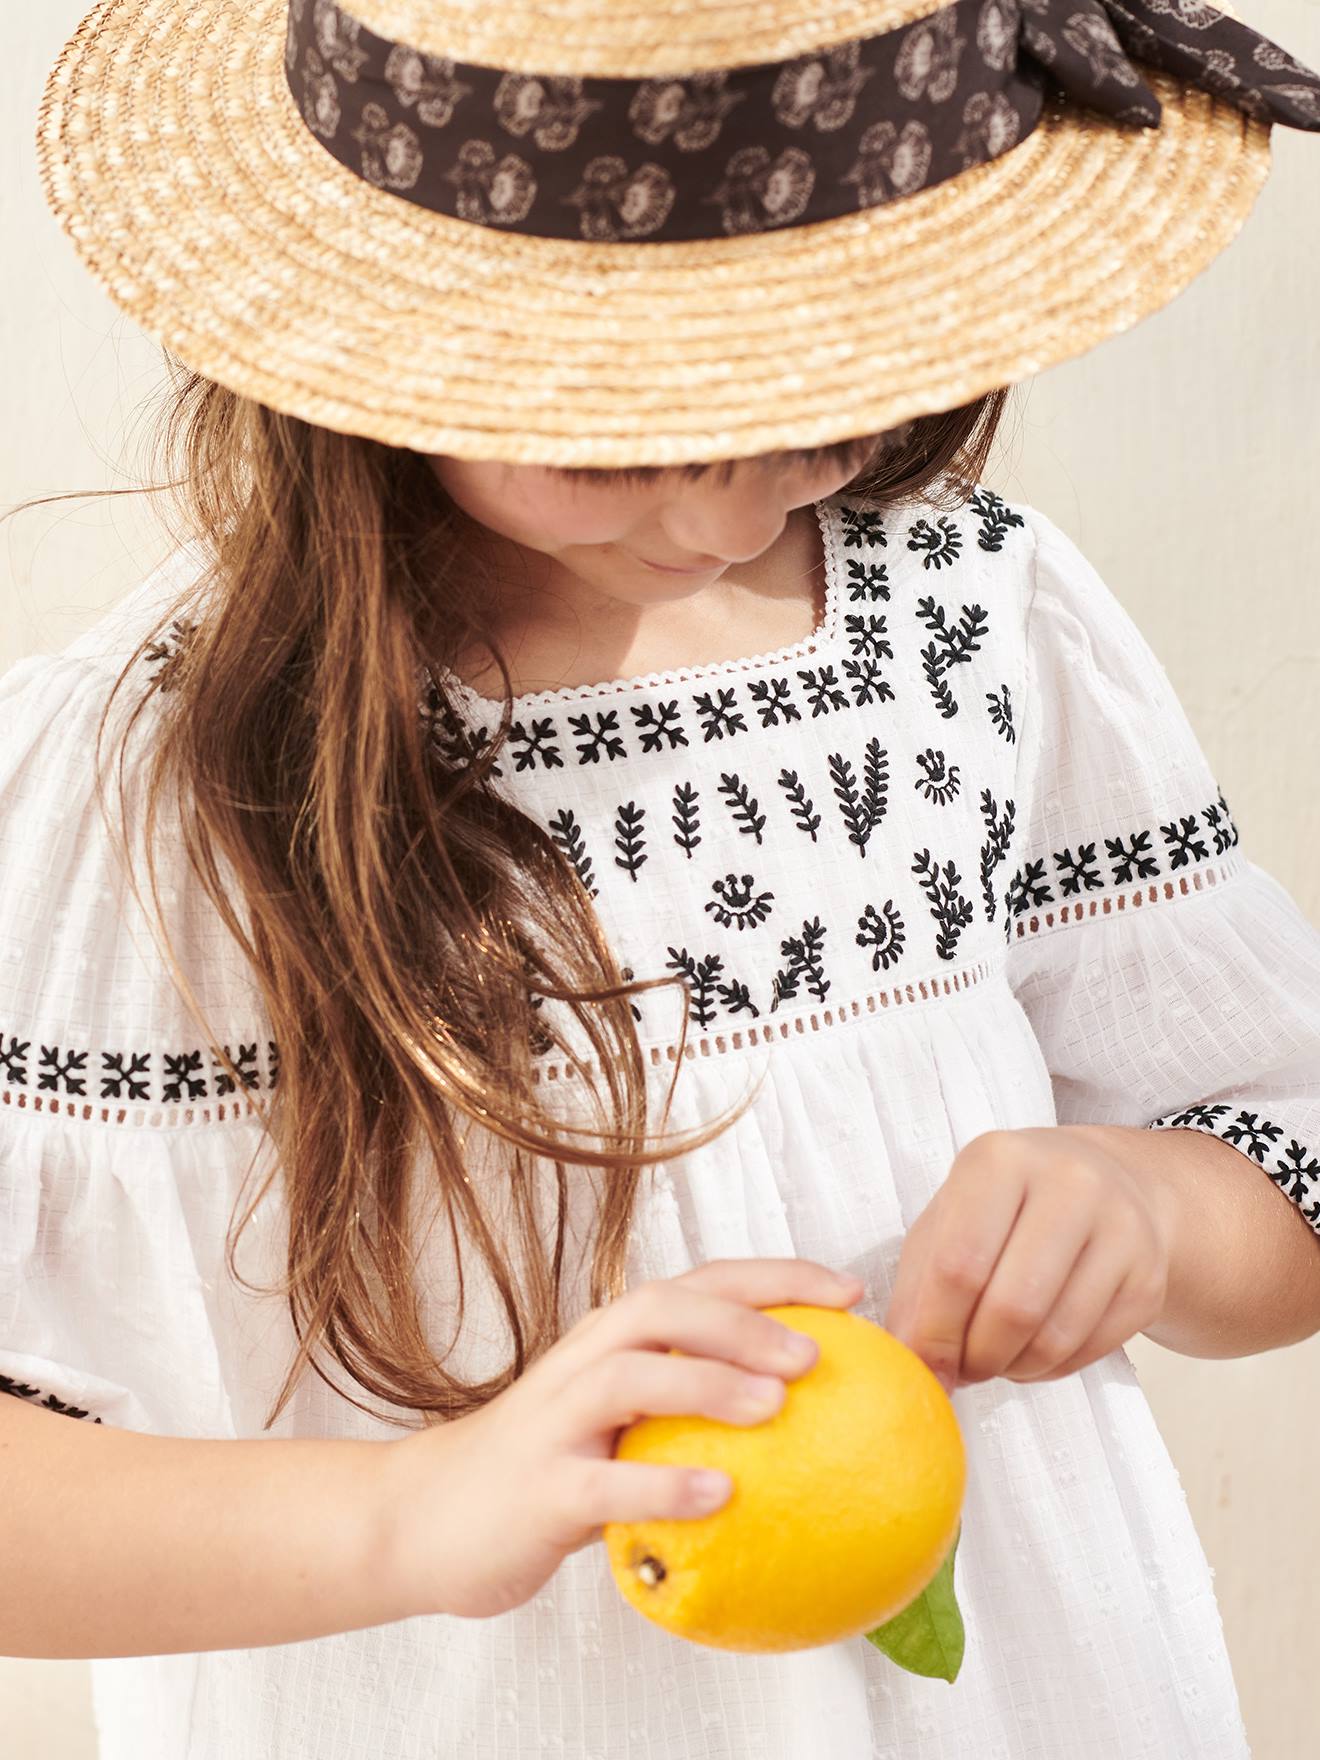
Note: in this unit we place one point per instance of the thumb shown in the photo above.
(898, 1330)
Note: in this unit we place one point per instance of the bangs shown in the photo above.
(839, 452)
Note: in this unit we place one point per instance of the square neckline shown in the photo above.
(820, 637)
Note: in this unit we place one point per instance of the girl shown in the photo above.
(636, 832)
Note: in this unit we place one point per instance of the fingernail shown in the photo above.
(710, 1490)
(799, 1351)
(760, 1395)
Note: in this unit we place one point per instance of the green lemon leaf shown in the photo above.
(927, 1637)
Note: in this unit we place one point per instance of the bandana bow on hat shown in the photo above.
(582, 233)
(743, 149)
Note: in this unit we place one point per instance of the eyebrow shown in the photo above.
(837, 451)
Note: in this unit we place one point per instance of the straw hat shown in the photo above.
(607, 232)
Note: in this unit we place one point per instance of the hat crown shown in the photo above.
(626, 38)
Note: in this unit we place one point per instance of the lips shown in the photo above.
(674, 568)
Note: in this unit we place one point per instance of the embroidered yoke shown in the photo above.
(953, 863)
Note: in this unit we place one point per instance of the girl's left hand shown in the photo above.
(1039, 1254)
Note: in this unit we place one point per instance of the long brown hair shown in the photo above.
(403, 921)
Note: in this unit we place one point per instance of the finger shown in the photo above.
(911, 1268)
(956, 1256)
(672, 1315)
(628, 1385)
(768, 1283)
(1026, 1284)
(1137, 1301)
(1094, 1281)
(636, 1491)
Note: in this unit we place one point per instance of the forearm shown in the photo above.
(1244, 1267)
(121, 1544)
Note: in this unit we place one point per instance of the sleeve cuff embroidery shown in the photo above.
(1130, 858)
(1294, 1170)
(21, 1390)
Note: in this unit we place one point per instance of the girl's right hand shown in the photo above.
(484, 1509)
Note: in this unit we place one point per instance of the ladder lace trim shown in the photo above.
(814, 1020)
(155, 1117)
(1116, 903)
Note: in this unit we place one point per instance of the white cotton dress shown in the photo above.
(953, 863)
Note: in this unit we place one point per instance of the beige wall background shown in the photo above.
(1183, 457)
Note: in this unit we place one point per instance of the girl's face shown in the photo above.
(624, 534)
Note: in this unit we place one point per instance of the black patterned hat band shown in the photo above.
(749, 149)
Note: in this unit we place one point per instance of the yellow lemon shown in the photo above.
(844, 1503)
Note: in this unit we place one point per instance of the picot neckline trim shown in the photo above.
(820, 639)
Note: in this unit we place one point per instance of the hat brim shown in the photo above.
(173, 154)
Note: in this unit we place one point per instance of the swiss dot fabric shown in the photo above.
(953, 863)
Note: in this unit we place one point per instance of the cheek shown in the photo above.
(525, 505)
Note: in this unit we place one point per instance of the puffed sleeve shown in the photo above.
(1170, 982)
(103, 1305)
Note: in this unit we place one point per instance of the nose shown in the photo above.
(721, 534)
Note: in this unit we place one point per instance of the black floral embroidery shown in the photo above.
(1199, 1115)
(126, 1074)
(951, 647)
(567, 833)
(1028, 888)
(658, 723)
(182, 1078)
(744, 808)
(707, 986)
(1185, 844)
(1298, 1173)
(1131, 858)
(804, 813)
(867, 685)
(996, 518)
(170, 655)
(15, 1071)
(804, 954)
(1078, 873)
(687, 818)
(939, 781)
(883, 932)
(628, 838)
(866, 635)
(540, 1039)
(994, 851)
(823, 690)
(773, 702)
(540, 743)
(864, 808)
(736, 902)
(941, 542)
(1251, 1134)
(1295, 1170)
(604, 736)
(862, 526)
(1221, 829)
(456, 743)
(245, 1063)
(719, 718)
(126, 1083)
(629, 975)
(867, 580)
(951, 911)
(71, 1069)
(1001, 713)
(48, 1401)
